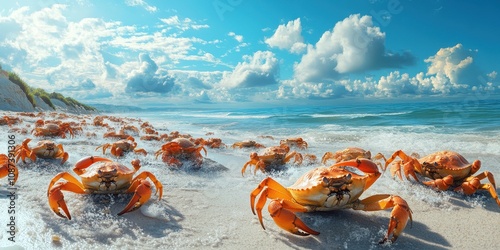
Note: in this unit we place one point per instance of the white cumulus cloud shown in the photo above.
(147, 79)
(353, 45)
(259, 70)
(288, 37)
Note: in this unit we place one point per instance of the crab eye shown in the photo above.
(325, 180)
(348, 177)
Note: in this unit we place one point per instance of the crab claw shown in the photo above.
(7, 167)
(399, 218)
(367, 166)
(287, 220)
(141, 195)
(441, 184)
(56, 201)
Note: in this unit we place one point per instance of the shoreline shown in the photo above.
(210, 209)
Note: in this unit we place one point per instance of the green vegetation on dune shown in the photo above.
(46, 97)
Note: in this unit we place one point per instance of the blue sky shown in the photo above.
(157, 53)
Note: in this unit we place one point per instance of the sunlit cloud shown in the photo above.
(141, 3)
(146, 78)
(288, 37)
(238, 38)
(353, 45)
(451, 71)
(260, 69)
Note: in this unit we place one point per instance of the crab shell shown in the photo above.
(441, 164)
(120, 147)
(107, 177)
(214, 143)
(273, 158)
(295, 142)
(247, 144)
(279, 154)
(181, 148)
(346, 154)
(52, 129)
(45, 149)
(328, 188)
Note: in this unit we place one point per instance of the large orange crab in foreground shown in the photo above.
(325, 189)
(45, 149)
(103, 176)
(272, 158)
(120, 147)
(6, 167)
(53, 129)
(181, 149)
(446, 169)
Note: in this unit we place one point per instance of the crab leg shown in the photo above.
(5, 165)
(158, 185)
(472, 184)
(56, 197)
(410, 165)
(23, 150)
(298, 157)
(140, 151)
(283, 213)
(272, 184)
(327, 156)
(399, 215)
(282, 208)
(142, 192)
(22, 153)
(254, 160)
(441, 184)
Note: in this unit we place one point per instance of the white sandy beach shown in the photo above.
(210, 208)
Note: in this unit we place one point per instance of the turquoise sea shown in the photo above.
(468, 125)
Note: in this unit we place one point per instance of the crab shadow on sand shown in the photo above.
(357, 230)
(99, 220)
(209, 168)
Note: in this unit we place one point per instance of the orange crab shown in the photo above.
(272, 158)
(214, 143)
(9, 120)
(295, 142)
(45, 149)
(446, 169)
(247, 144)
(118, 148)
(350, 154)
(7, 167)
(120, 135)
(326, 189)
(181, 149)
(103, 176)
(52, 129)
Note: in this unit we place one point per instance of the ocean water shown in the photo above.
(468, 126)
